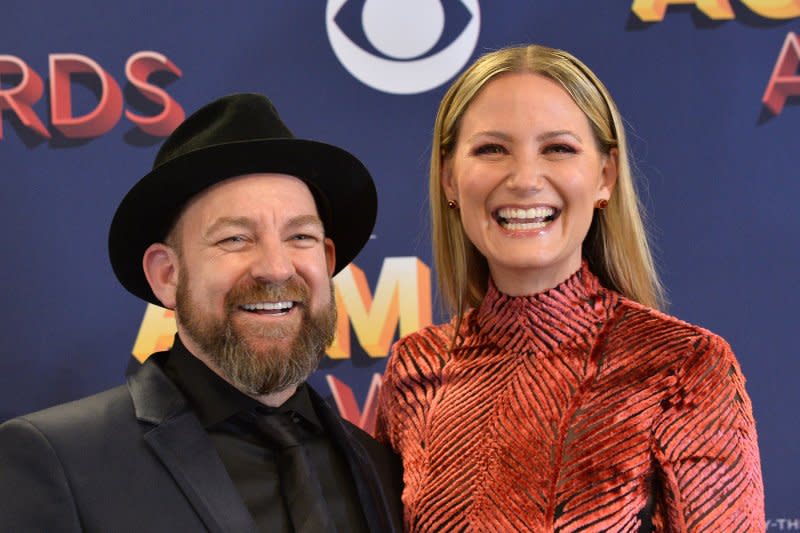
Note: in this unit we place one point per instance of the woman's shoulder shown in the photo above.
(689, 353)
(435, 340)
(434, 337)
(643, 323)
(420, 356)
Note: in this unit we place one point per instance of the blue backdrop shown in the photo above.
(717, 167)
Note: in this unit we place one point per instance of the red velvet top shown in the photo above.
(572, 410)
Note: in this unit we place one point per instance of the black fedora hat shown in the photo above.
(235, 135)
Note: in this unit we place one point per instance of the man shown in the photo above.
(238, 228)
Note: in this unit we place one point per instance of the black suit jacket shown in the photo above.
(136, 458)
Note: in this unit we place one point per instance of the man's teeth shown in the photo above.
(269, 306)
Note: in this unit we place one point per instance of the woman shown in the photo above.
(566, 401)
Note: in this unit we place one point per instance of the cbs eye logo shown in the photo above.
(403, 47)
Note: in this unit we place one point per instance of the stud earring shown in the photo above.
(452, 204)
(601, 204)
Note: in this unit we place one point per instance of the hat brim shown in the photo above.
(151, 207)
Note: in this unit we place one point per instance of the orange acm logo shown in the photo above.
(402, 297)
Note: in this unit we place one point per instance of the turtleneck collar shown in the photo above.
(573, 311)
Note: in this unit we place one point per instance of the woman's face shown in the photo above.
(526, 172)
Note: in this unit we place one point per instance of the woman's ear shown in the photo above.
(160, 264)
(449, 186)
(609, 174)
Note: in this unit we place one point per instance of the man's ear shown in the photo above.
(160, 264)
(330, 255)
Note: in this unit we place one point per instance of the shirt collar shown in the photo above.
(214, 400)
(573, 311)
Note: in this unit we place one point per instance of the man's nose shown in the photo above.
(272, 262)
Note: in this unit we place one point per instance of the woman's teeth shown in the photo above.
(517, 219)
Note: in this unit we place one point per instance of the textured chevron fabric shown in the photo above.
(572, 410)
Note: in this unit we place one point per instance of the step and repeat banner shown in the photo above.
(710, 91)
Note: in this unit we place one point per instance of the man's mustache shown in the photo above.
(252, 292)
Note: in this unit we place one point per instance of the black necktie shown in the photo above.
(300, 485)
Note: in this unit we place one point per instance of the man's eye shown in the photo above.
(234, 242)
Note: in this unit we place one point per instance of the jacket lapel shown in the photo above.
(183, 446)
(370, 490)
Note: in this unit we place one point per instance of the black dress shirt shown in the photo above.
(226, 413)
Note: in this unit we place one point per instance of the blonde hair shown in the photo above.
(615, 247)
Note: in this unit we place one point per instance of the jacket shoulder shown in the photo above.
(38, 452)
(80, 415)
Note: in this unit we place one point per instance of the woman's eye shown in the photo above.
(490, 149)
(559, 149)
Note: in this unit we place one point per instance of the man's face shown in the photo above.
(254, 296)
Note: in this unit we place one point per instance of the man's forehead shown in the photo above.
(252, 223)
(243, 196)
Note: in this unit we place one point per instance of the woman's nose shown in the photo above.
(526, 174)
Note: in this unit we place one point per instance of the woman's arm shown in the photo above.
(705, 442)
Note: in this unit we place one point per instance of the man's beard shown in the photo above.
(262, 366)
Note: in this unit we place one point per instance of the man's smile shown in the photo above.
(270, 308)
